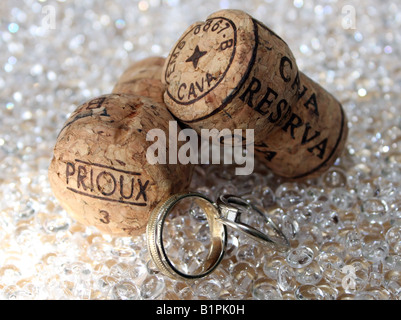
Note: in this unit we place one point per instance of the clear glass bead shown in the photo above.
(313, 193)
(371, 229)
(375, 251)
(243, 275)
(268, 197)
(125, 290)
(332, 265)
(393, 238)
(303, 215)
(392, 282)
(310, 234)
(25, 211)
(289, 194)
(82, 289)
(365, 190)
(333, 247)
(197, 212)
(328, 221)
(105, 283)
(395, 210)
(152, 287)
(191, 256)
(208, 288)
(122, 247)
(392, 262)
(289, 227)
(263, 289)
(138, 273)
(375, 210)
(334, 178)
(376, 279)
(342, 198)
(98, 251)
(249, 253)
(286, 278)
(373, 294)
(120, 270)
(289, 296)
(328, 292)
(203, 234)
(309, 292)
(222, 277)
(271, 266)
(203, 189)
(228, 188)
(184, 291)
(55, 223)
(245, 184)
(311, 274)
(300, 257)
(353, 243)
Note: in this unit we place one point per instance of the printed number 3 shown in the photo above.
(105, 217)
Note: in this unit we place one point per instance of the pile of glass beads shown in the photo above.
(344, 226)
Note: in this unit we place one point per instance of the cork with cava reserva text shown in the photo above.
(231, 71)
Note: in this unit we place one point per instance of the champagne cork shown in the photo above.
(143, 78)
(100, 173)
(231, 71)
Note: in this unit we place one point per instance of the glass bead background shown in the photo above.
(344, 227)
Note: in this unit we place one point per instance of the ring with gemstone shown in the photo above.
(226, 211)
(231, 207)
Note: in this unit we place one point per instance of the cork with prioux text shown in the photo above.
(99, 172)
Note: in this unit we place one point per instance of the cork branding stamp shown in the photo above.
(254, 83)
(196, 53)
(106, 183)
(99, 171)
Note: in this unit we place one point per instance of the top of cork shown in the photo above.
(208, 64)
(143, 78)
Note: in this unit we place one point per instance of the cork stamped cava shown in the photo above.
(232, 72)
(99, 171)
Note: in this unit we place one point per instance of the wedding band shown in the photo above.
(156, 248)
